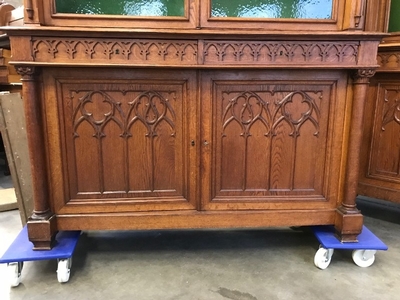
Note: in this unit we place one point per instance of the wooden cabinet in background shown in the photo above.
(186, 121)
(380, 172)
(380, 155)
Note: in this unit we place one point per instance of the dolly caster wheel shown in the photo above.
(364, 258)
(323, 257)
(64, 269)
(14, 272)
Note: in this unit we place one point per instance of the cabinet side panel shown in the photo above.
(385, 151)
(380, 172)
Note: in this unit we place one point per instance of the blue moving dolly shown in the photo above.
(21, 250)
(363, 251)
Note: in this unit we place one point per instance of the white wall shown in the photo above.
(15, 3)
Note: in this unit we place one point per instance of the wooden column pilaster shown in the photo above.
(349, 220)
(42, 223)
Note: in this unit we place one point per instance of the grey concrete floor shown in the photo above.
(185, 265)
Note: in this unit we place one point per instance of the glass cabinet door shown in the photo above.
(394, 19)
(121, 13)
(144, 8)
(288, 9)
(313, 15)
(257, 13)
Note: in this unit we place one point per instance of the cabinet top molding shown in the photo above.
(196, 33)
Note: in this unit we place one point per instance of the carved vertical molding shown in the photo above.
(29, 9)
(354, 15)
(361, 80)
(359, 15)
(41, 225)
(349, 220)
(377, 15)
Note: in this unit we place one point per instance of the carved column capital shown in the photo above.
(26, 72)
(363, 75)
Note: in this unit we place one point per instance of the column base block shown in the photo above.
(41, 232)
(348, 224)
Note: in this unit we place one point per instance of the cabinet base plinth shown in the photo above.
(348, 224)
(42, 232)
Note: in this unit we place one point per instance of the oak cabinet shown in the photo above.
(380, 174)
(182, 120)
(380, 169)
(131, 137)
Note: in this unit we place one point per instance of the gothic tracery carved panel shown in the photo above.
(114, 51)
(392, 109)
(255, 108)
(385, 149)
(150, 108)
(271, 127)
(127, 137)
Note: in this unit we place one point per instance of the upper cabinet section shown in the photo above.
(272, 9)
(266, 15)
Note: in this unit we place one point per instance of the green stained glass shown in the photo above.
(394, 20)
(292, 9)
(145, 8)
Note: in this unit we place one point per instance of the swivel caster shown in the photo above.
(364, 258)
(14, 272)
(323, 257)
(64, 269)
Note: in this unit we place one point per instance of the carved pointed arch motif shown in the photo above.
(248, 114)
(81, 114)
(392, 114)
(155, 112)
(286, 116)
(51, 45)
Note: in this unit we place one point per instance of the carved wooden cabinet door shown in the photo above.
(125, 139)
(380, 156)
(271, 139)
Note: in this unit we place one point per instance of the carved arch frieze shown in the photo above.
(388, 60)
(115, 50)
(186, 52)
(277, 52)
